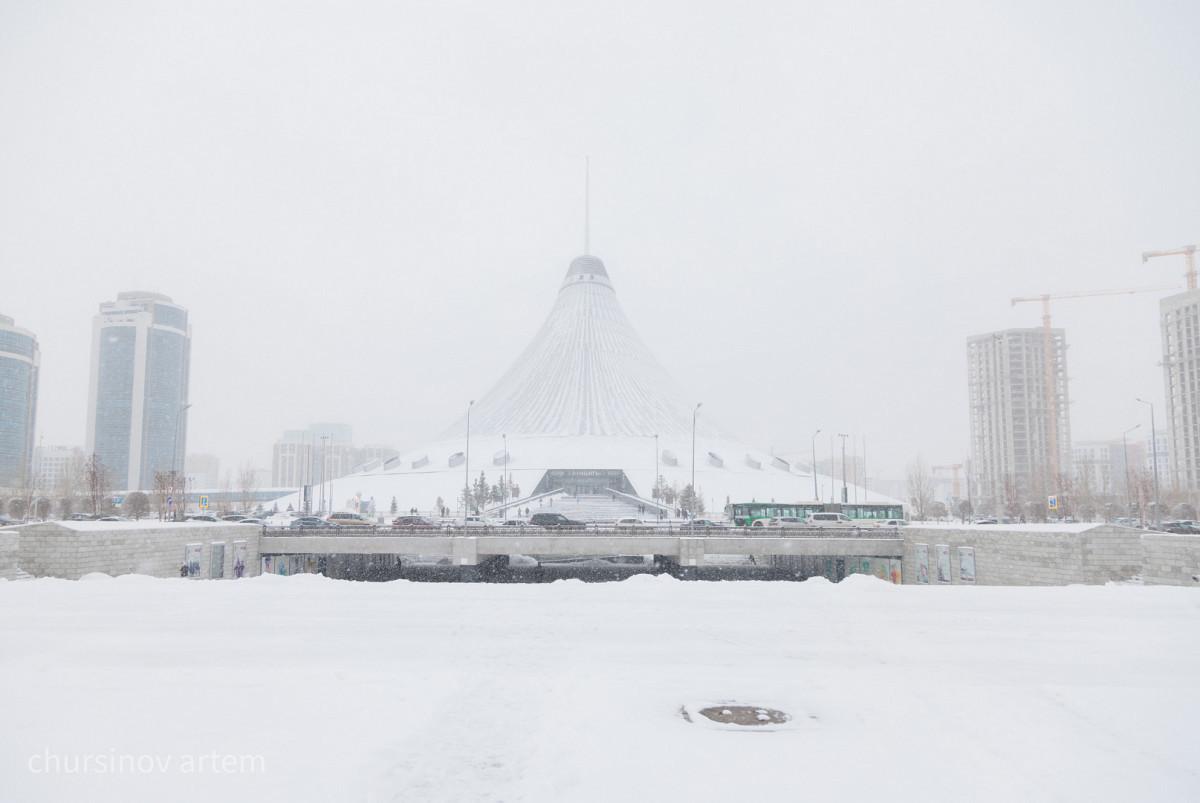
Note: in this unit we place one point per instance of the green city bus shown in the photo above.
(744, 514)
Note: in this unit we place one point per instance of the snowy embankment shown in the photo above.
(303, 688)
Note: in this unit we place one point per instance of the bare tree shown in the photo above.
(246, 487)
(162, 489)
(95, 483)
(920, 489)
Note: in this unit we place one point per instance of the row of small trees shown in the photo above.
(1076, 497)
(85, 486)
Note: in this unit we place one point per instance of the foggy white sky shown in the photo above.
(805, 207)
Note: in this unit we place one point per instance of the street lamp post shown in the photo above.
(816, 493)
(695, 412)
(845, 495)
(324, 459)
(1154, 457)
(467, 466)
(175, 472)
(504, 489)
(655, 490)
(1128, 483)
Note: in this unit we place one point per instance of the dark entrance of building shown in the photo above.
(585, 481)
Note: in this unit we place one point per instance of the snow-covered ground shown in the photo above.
(305, 688)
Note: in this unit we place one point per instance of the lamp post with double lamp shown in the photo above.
(845, 494)
(695, 412)
(467, 467)
(1154, 457)
(504, 483)
(324, 459)
(816, 494)
(175, 468)
(655, 490)
(1128, 482)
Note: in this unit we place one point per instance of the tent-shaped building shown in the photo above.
(582, 423)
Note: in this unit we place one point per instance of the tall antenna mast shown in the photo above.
(587, 205)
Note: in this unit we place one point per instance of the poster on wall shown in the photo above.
(943, 562)
(268, 564)
(216, 559)
(192, 554)
(239, 559)
(922, 551)
(966, 564)
(896, 570)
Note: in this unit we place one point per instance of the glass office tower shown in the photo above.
(19, 358)
(137, 416)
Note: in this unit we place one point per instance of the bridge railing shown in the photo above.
(609, 530)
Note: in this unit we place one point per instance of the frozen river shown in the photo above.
(304, 688)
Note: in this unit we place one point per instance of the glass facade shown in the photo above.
(18, 405)
(166, 393)
(114, 400)
(140, 380)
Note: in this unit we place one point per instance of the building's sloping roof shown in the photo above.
(586, 372)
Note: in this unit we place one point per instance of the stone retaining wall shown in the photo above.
(1027, 557)
(72, 550)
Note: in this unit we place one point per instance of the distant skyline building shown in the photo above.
(137, 397)
(19, 364)
(58, 470)
(1011, 431)
(305, 456)
(203, 472)
(1180, 317)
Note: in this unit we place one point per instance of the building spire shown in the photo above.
(587, 205)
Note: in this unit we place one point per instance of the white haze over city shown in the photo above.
(367, 207)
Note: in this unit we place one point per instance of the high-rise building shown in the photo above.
(1020, 443)
(1181, 375)
(19, 359)
(203, 472)
(58, 470)
(324, 451)
(137, 400)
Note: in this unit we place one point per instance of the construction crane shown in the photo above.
(1186, 251)
(1050, 403)
(955, 467)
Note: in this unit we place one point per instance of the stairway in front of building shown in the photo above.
(599, 508)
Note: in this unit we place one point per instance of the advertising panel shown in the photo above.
(943, 562)
(922, 551)
(966, 564)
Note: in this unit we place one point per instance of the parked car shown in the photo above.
(311, 522)
(554, 520)
(476, 521)
(234, 517)
(893, 523)
(112, 518)
(409, 522)
(830, 520)
(986, 520)
(518, 523)
(250, 520)
(202, 517)
(767, 522)
(630, 522)
(700, 524)
(349, 520)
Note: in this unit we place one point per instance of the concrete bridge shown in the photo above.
(686, 550)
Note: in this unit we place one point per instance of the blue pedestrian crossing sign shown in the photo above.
(204, 503)
(1052, 502)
